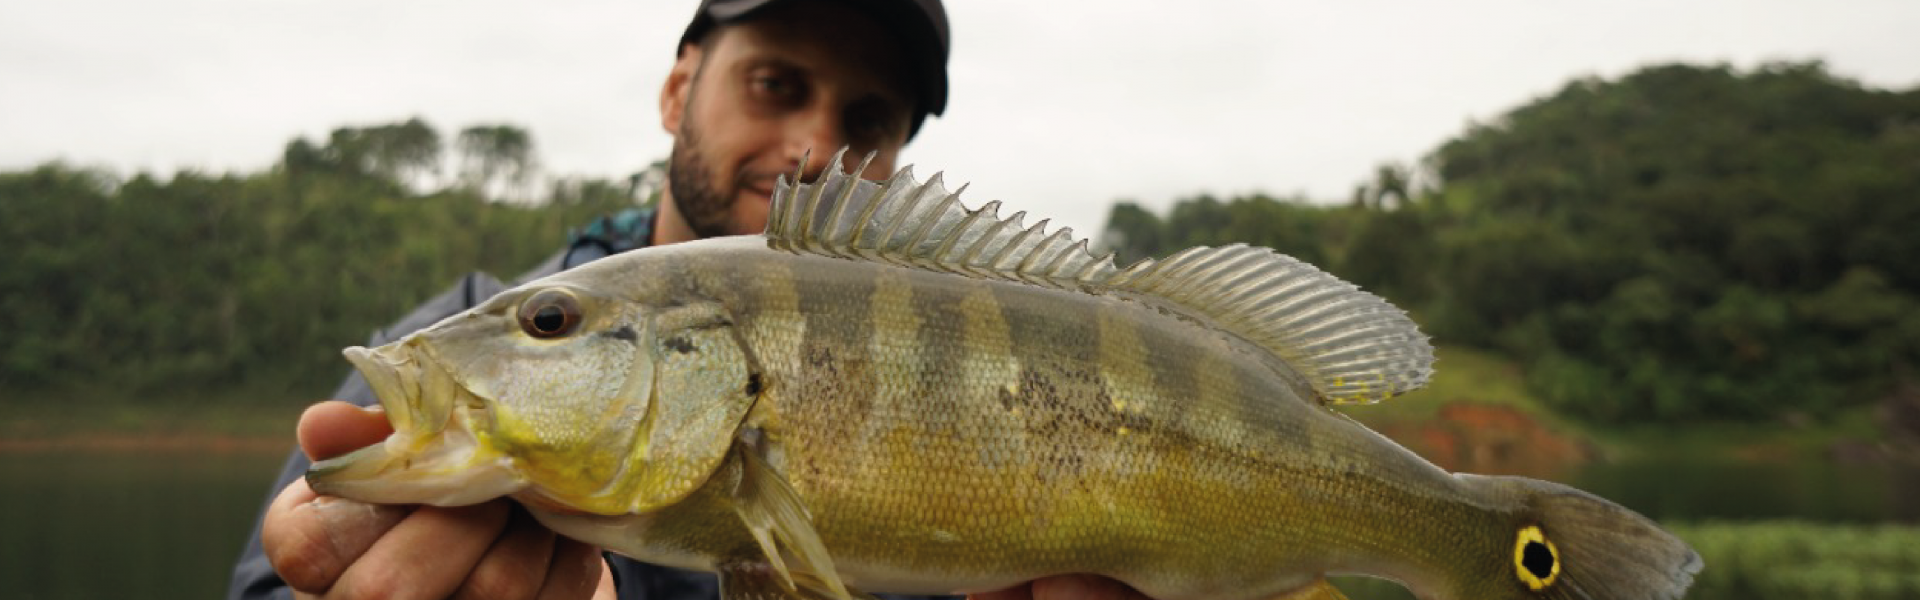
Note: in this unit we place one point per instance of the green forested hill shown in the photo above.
(185, 286)
(1683, 242)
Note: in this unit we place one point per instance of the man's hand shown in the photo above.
(1066, 587)
(326, 547)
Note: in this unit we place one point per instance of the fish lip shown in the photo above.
(420, 395)
(394, 387)
(323, 475)
(436, 454)
(456, 471)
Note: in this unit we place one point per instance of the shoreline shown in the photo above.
(169, 442)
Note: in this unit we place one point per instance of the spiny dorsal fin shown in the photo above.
(1352, 346)
(923, 226)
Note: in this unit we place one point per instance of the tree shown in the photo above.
(121, 289)
(1684, 242)
(495, 158)
(1664, 235)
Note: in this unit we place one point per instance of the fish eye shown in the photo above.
(1536, 562)
(550, 314)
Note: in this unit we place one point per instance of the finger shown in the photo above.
(515, 567)
(333, 428)
(577, 572)
(1023, 591)
(1083, 587)
(310, 540)
(427, 555)
(605, 590)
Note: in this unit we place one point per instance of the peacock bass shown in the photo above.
(889, 392)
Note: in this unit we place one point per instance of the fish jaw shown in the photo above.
(440, 476)
(438, 453)
(418, 395)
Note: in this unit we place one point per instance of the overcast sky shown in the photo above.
(1058, 108)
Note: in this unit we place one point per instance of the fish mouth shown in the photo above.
(437, 453)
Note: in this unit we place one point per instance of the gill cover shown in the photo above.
(705, 381)
(561, 396)
(692, 382)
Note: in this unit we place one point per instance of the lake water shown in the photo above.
(126, 524)
(169, 524)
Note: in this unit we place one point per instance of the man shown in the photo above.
(757, 84)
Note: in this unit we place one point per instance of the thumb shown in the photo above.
(333, 428)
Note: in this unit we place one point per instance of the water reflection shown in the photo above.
(126, 524)
(1695, 490)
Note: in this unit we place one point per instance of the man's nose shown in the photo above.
(818, 131)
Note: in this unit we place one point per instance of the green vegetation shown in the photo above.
(1484, 377)
(1685, 243)
(1460, 373)
(1795, 560)
(261, 410)
(170, 292)
(1785, 560)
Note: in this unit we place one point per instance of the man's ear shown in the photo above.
(679, 88)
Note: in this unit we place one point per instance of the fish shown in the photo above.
(888, 391)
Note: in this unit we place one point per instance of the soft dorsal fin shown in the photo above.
(922, 225)
(1351, 346)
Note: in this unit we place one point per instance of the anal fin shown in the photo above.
(1320, 589)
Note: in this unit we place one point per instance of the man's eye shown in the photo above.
(866, 129)
(776, 87)
(868, 126)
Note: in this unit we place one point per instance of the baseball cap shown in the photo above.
(920, 24)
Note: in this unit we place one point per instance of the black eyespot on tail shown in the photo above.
(1537, 559)
(1536, 562)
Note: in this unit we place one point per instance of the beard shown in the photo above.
(706, 209)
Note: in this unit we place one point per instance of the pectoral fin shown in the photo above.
(779, 521)
(1320, 589)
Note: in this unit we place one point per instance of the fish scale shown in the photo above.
(891, 392)
(1099, 437)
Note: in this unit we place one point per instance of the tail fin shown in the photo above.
(1575, 545)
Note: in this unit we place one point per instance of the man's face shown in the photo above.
(756, 96)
